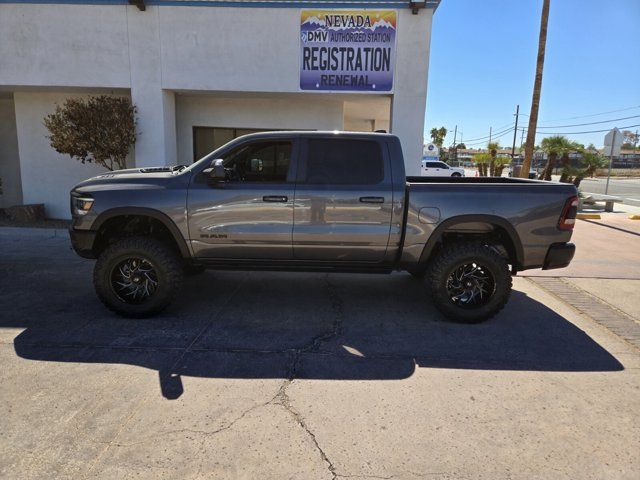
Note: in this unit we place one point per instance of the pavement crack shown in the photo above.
(366, 476)
(282, 398)
(204, 433)
(313, 346)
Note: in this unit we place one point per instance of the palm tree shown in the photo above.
(590, 162)
(437, 135)
(482, 160)
(556, 146)
(537, 86)
(493, 151)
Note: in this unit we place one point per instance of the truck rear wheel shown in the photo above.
(469, 282)
(137, 277)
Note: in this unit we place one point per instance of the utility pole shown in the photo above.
(490, 134)
(515, 132)
(455, 150)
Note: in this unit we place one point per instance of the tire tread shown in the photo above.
(440, 266)
(163, 256)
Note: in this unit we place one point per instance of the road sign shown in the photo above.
(613, 142)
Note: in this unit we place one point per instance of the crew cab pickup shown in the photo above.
(317, 201)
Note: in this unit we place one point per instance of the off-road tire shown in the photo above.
(450, 258)
(191, 270)
(167, 265)
(418, 274)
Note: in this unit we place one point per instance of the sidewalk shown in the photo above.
(606, 267)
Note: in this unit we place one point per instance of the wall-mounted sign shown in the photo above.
(351, 50)
(431, 152)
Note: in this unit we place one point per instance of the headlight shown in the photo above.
(81, 205)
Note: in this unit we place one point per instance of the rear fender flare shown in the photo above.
(503, 223)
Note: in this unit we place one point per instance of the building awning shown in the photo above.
(249, 3)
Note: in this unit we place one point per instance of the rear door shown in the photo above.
(343, 200)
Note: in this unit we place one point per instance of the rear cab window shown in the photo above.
(342, 161)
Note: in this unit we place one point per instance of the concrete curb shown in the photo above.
(32, 232)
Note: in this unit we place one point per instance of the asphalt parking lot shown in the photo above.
(305, 376)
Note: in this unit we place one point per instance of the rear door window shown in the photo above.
(343, 162)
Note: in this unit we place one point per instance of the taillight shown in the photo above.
(569, 213)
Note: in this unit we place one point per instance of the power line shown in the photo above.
(486, 137)
(499, 132)
(592, 123)
(589, 131)
(493, 137)
(595, 114)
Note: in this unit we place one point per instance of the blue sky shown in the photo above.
(483, 58)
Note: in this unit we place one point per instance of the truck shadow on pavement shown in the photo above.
(289, 325)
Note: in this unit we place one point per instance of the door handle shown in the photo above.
(371, 199)
(275, 198)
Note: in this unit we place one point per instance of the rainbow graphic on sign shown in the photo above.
(347, 50)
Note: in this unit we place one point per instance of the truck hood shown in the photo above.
(136, 172)
(137, 176)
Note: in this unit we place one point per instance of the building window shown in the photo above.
(207, 139)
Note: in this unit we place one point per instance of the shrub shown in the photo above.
(98, 129)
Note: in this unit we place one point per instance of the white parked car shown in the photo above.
(440, 169)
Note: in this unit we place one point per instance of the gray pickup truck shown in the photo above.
(317, 201)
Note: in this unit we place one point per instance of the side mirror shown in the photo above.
(217, 170)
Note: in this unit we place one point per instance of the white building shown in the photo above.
(199, 73)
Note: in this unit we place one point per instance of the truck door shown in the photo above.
(343, 200)
(250, 215)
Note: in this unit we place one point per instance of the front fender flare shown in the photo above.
(145, 212)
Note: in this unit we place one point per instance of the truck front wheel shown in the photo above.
(469, 282)
(137, 277)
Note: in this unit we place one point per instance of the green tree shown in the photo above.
(630, 139)
(99, 129)
(482, 160)
(555, 147)
(493, 148)
(461, 146)
(438, 135)
(588, 165)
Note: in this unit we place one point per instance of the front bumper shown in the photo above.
(82, 242)
(559, 255)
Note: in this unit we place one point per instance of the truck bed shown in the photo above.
(476, 180)
(527, 210)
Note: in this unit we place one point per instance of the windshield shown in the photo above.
(206, 160)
